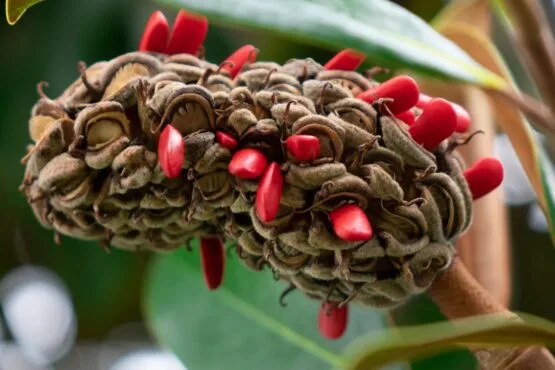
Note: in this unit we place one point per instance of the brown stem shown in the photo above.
(459, 295)
(539, 114)
(484, 248)
(537, 44)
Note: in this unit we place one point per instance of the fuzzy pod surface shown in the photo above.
(97, 171)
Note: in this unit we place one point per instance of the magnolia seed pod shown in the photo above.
(302, 69)
(312, 177)
(349, 80)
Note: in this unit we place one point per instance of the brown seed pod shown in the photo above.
(94, 172)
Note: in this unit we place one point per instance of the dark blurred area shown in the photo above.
(105, 289)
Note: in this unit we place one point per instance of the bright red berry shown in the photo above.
(402, 89)
(407, 116)
(247, 164)
(212, 256)
(235, 62)
(226, 140)
(332, 320)
(268, 194)
(436, 123)
(156, 33)
(485, 175)
(171, 151)
(345, 60)
(351, 224)
(304, 148)
(188, 33)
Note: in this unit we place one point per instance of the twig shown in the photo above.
(459, 295)
(537, 44)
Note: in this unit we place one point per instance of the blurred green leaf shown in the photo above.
(388, 34)
(241, 325)
(418, 341)
(16, 8)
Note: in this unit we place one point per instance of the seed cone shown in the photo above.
(94, 172)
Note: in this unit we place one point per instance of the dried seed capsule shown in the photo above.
(213, 261)
(303, 147)
(332, 320)
(397, 138)
(329, 133)
(240, 120)
(484, 176)
(436, 123)
(323, 93)
(382, 184)
(248, 164)
(44, 113)
(235, 62)
(188, 33)
(301, 69)
(402, 89)
(312, 177)
(350, 223)
(269, 191)
(171, 151)
(346, 60)
(156, 34)
(352, 81)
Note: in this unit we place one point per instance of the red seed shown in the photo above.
(423, 99)
(171, 151)
(407, 116)
(226, 140)
(485, 175)
(247, 164)
(304, 148)
(235, 62)
(268, 194)
(351, 224)
(156, 33)
(332, 321)
(436, 123)
(188, 33)
(212, 255)
(463, 118)
(402, 89)
(345, 60)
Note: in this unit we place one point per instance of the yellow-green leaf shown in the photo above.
(408, 343)
(16, 8)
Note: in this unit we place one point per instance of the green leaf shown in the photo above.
(407, 343)
(241, 325)
(388, 34)
(16, 8)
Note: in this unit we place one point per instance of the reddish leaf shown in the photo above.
(351, 224)
(156, 33)
(485, 175)
(171, 151)
(212, 256)
(303, 147)
(247, 164)
(226, 140)
(407, 116)
(235, 62)
(436, 123)
(345, 60)
(269, 192)
(402, 89)
(188, 33)
(332, 321)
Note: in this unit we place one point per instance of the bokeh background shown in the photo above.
(73, 306)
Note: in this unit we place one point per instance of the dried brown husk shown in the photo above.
(94, 172)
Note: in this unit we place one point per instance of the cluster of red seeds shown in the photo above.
(430, 123)
(438, 121)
